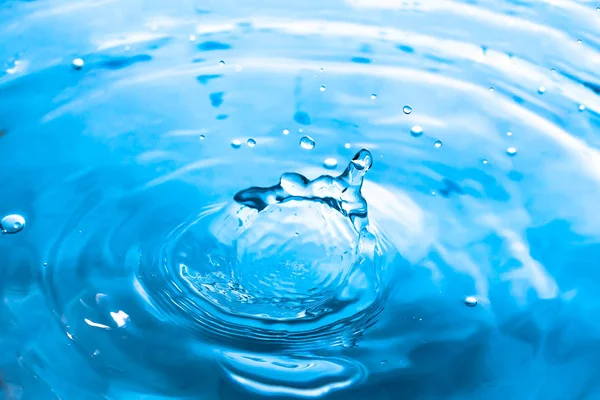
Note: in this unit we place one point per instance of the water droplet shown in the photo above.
(438, 144)
(323, 88)
(373, 96)
(416, 131)
(95, 353)
(509, 133)
(541, 90)
(407, 109)
(13, 223)
(307, 143)
(433, 192)
(236, 144)
(330, 163)
(192, 38)
(286, 132)
(202, 137)
(492, 89)
(347, 145)
(77, 63)
(579, 41)
(300, 130)
(553, 70)
(470, 301)
(581, 107)
(321, 69)
(251, 142)
(484, 161)
(511, 151)
(222, 63)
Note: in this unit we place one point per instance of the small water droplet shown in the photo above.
(96, 352)
(433, 192)
(373, 96)
(286, 132)
(202, 137)
(579, 41)
(581, 107)
(484, 161)
(541, 90)
(492, 89)
(553, 70)
(321, 69)
(323, 88)
(300, 130)
(307, 143)
(222, 63)
(509, 133)
(416, 131)
(438, 144)
(347, 145)
(13, 223)
(251, 142)
(78, 63)
(45, 264)
(192, 38)
(407, 109)
(330, 163)
(470, 301)
(236, 144)
(511, 151)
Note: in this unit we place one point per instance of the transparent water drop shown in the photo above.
(323, 88)
(438, 144)
(236, 144)
(202, 137)
(192, 38)
(509, 133)
(484, 161)
(581, 107)
(553, 70)
(416, 131)
(492, 89)
(541, 90)
(321, 69)
(251, 142)
(470, 301)
(511, 151)
(347, 145)
(286, 132)
(407, 109)
(300, 130)
(579, 41)
(222, 63)
(373, 96)
(330, 163)
(11, 224)
(77, 63)
(307, 143)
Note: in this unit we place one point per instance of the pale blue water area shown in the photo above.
(359, 199)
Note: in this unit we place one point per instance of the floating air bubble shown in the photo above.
(11, 224)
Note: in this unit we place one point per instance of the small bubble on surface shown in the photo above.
(470, 301)
(581, 107)
(286, 131)
(541, 90)
(323, 88)
(77, 63)
(511, 151)
(484, 161)
(373, 96)
(13, 223)
(330, 163)
(307, 143)
(407, 109)
(416, 131)
(236, 144)
(251, 142)
(437, 144)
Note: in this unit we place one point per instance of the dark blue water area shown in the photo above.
(339, 200)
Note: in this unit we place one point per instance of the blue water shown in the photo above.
(382, 199)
